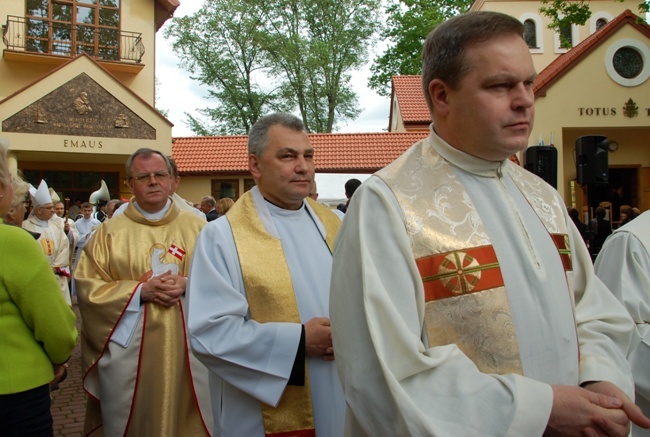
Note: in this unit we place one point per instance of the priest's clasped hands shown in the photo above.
(165, 290)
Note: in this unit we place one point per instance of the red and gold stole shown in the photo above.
(465, 297)
(271, 298)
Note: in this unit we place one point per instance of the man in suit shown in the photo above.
(209, 207)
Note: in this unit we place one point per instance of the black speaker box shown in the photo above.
(542, 161)
(592, 162)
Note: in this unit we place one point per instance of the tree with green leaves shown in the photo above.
(301, 51)
(218, 46)
(313, 45)
(407, 25)
(564, 13)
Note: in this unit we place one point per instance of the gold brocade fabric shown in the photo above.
(147, 388)
(443, 224)
(271, 298)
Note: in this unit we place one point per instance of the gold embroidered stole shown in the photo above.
(465, 297)
(271, 298)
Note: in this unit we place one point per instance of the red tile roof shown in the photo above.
(335, 153)
(410, 98)
(564, 63)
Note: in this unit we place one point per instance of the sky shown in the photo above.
(178, 94)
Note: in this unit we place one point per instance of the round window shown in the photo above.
(628, 62)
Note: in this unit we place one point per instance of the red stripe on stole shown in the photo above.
(459, 272)
(562, 243)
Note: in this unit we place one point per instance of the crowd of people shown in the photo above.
(451, 295)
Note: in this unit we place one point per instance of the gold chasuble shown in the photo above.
(465, 296)
(152, 386)
(270, 295)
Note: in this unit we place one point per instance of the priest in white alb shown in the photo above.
(53, 239)
(258, 297)
(463, 298)
(623, 264)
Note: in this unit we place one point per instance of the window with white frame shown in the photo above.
(533, 32)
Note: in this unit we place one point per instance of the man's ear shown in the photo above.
(254, 166)
(438, 91)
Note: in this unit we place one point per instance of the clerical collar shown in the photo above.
(277, 210)
(460, 159)
(41, 223)
(154, 215)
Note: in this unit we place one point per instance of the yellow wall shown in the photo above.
(192, 188)
(135, 16)
(518, 9)
(563, 112)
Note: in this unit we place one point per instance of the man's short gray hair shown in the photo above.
(145, 152)
(258, 135)
(209, 200)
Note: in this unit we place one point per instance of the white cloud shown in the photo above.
(178, 94)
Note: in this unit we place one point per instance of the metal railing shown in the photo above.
(38, 35)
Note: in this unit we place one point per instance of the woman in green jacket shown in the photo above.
(37, 328)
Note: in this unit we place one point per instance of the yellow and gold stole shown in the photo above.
(271, 298)
(465, 297)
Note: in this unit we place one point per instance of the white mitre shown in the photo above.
(42, 195)
(55, 197)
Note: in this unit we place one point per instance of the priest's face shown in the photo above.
(490, 113)
(285, 170)
(59, 209)
(44, 212)
(150, 182)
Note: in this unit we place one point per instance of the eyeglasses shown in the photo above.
(144, 178)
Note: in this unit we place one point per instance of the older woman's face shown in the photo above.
(6, 193)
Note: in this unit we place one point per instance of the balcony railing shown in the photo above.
(37, 35)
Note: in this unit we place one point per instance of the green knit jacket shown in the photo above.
(37, 327)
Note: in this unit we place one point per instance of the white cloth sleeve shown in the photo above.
(256, 358)
(128, 323)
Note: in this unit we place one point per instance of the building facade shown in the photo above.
(77, 89)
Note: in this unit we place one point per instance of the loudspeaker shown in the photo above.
(592, 162)
(542, 161)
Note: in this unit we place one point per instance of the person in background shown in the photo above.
(37, 333)
(582, 228)
(59, 214)
(223, 205)
(209, 208)
(463, 299)
(313, 191)
(75, 209)
(623, 264)
(100, 215)
(627, 215)
(350, 187)
(602, 229)
(53, 239)
(258, 294)
(130, 281)
(111, 206)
